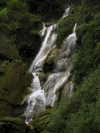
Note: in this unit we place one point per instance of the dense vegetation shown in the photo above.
(19, 29)
(80, 114)
(20, 23)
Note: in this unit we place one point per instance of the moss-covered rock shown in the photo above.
(49, 63)
(65, 28)
(16, 125)
(42, 122)
(3, 67)
(15, 83)
(6, 109)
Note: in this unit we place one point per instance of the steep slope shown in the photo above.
(20, 41)
(80, 113)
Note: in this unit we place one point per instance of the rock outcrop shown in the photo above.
(14, 88)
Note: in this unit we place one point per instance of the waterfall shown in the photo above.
(66, 12)
(37, 101)
(55, 81)
(45, 48)
(70, 41)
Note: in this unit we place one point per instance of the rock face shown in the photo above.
(16, 125)
(15, 83)
(14, 88)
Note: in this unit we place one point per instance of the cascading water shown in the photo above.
(66, 12)
(37, 101)
(47, 45)
(57, 80)
(46, 96)
(70, 40)
(54, 82)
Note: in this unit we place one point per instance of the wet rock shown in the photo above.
(67, 53)
(57, 97)
(61, 86)
(39, 70)
(49, 63)
(26, 97)
(64, 54)
(41, 76)
(48, 24)
(68, 62)
(62, 65)
(67, 90)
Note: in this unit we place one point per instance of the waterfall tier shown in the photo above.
(53, 84)
(37, 101)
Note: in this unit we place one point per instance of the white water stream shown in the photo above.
(46, 95)
(57, 80)
(37, 101)
(66, 12)
(47, 45)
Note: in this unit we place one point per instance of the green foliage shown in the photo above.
(78, 114)
(87, 53)
(64, 29)
(3, 4)
(21, 29)
(5, 46)
(48, 9)
(3, 14)
(17, 6)
(42, 122)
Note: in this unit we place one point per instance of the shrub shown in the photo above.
(80, 113)
(64, 29)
